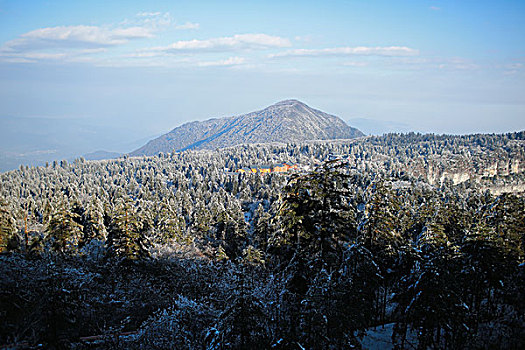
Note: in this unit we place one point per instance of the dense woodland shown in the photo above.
(178, 251)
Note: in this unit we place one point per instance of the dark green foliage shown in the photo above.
(7, 226)
(182, 326)
(506, 216)
(316, 217)
(92, 221)
(126, 233)
(243, 324)
(432, 301)
(63, 230)
(169, 225)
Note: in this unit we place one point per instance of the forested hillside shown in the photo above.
(178, 250)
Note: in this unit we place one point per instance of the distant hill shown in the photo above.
(286, 121)
(33, 141)
(100, 155)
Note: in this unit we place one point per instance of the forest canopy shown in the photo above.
(421, 232)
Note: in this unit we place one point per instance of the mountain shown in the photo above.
(101, 155)
(285, 121)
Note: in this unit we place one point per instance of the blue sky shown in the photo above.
(148, 66)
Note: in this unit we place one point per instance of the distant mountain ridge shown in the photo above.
(285, 121)
(101, 155)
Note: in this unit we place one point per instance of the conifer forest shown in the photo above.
(420, 234)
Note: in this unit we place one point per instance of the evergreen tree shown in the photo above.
(63, 231)
(252, 256)
(379, 233)
(169, 225)
(317, 223)
(7, 226)
(126, 238)
(430, 299)
(243, 324)
(506, 215)
(263, 227)
(316, 215)
(93, 221)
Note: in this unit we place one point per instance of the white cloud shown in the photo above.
(44, 56)
(10, 59)
(74, 37)
(435, 63)
(171, 61)
(232, 61)
(133, 33)
(238, 41)
(458, 63)
(187, 25)
(349, 51)
(143, 26)
(65, 43)
(355, 64)
(435, 8)
(149, 14)
(146, 54)
(304, 38)
(89, 34)
(80, 55)
(159, 21)
(153, 20)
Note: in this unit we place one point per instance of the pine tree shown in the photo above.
(126, 237)
(63, 230)
(202, 220)
(379, 233)
(252, 256)
(169, 225)
(93, 221)
(506, 215)
(316, 215)
(318, 221)
(235, 230)
(430, 298)
(243, 324)
(263, 227)
(7, 226)
(487, 263)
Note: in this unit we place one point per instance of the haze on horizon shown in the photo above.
(82, 76)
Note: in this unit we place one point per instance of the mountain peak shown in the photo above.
(290, 102)
(286, 121)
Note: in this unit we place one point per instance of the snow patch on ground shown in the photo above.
(379, 338)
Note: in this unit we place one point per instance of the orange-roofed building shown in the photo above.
(265, 169)
(280, 168)
(290, 166)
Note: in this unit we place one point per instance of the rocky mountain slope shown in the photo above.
(286, 121)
